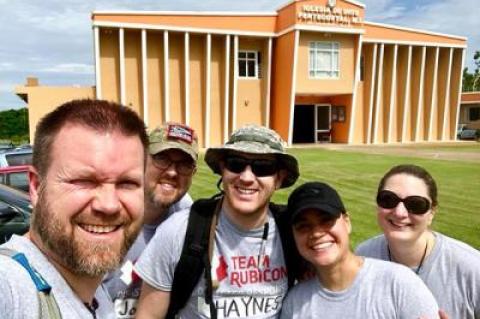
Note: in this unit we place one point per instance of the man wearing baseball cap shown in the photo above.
(346, 284)
(173, 150)
(248, 273)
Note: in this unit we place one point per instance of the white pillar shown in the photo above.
(372, 94)
(186, 59)
(269, 83)
(207, 90)
(433, 101)
(446, 103)
(407, 106)
(145, 77)
(121, 36)
(379, 93)
(420, 95)
(235, 79)
(356, 80)
(226, 132)
(294, 86)
(459, 93)
(166, 84)
(98, 78)
(393, 90)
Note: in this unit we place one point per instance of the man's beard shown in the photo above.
(90, 259)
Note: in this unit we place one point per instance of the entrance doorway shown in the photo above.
(311, 123)
(323, 116)
(303, 124)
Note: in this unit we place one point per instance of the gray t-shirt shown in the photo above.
(380, 290)
(451, 272)
(19, 298)
(245, 288)
(124, 285)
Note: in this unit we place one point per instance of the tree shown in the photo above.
(14, 125)
(471, 81)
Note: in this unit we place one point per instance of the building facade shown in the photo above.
(313, 70)
(470, 110)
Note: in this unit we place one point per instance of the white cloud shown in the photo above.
(77, 68)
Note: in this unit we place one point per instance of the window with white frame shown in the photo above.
(248, 64)
(323, 60)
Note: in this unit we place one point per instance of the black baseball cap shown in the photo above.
(318, 196)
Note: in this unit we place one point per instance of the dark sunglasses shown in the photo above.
(417, 205)
(260, 167)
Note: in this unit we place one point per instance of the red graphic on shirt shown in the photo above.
(135, 277)
(221, 270)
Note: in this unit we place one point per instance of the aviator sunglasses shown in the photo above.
(417, 205)
(260, 167)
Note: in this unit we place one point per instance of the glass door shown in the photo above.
(323, 113)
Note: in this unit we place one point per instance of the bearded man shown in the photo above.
(87, 192)
(171, 164)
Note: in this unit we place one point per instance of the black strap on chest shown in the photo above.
(195, 257)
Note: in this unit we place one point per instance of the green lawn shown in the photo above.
(356, 175)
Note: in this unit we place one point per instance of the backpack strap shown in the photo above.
(293, 260)
(194, 258)
(48, 307)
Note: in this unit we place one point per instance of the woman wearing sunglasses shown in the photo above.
(406, 205)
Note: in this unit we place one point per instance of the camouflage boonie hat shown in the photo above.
(255, 139)
(174, 136)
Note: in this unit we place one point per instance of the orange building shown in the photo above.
(313, 70)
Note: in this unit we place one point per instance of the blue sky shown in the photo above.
(52, 39)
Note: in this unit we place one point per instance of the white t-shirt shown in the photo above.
(380, 290)
(124, 285)
(246, 288)
(451, 272)
(19, 299)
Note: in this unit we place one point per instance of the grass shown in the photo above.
(356, 176)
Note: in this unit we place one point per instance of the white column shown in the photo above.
(145, 77)
(226, 130)
(446, 103)
(166, 78)
(207, 90)
(459, 93)
(294, 86)
(433, 101)
(235, 79)
(356, 80)
(121, 36)
(372, 94)
(379, 93)
(186, 59)
(269, 83)
(420, 95)
(98, 78)
(393, 89)
(407, 106)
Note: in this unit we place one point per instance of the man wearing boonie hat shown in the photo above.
(250, 273)
(173, 150)
(346, 285)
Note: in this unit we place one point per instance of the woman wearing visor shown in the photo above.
(406, 205)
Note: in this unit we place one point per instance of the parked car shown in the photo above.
(15, 176)
(466, 133)
(16, 157)
(15, 211)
